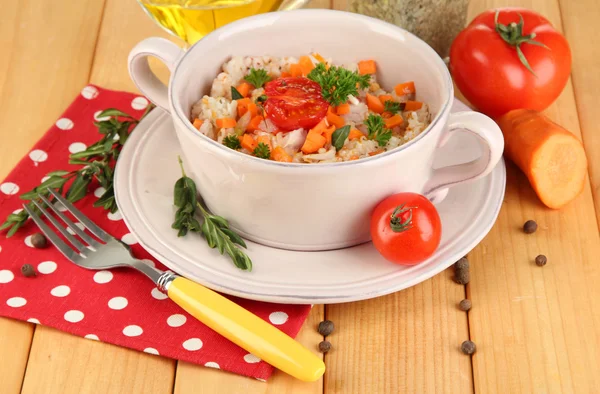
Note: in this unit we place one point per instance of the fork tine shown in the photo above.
(51, 235)
(78, 245)
(97, 231)
(91, 241)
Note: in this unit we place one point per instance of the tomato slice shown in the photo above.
(294, 103)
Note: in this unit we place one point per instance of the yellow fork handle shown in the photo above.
(246, 330)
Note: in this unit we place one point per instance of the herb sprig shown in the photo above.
(232, 142)
(215, 229)
(98, 162)
(337, 83)
(377, 131)
(257, 77)
(393, 107)
(338, 138)
(262, 150)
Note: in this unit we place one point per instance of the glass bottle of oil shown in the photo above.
(193, 19)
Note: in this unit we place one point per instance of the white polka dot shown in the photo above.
(81, 227)
(114, 216)
(60, 291)
(278, 318)
(64, 124)
(6, 276)
(74, 316)
(89, 92)
(139, 103)
(192, 344)
(261, 380)
(0, 248)
(103, 276)
(251, 358)
(92, 336)
(176, 320)
(100, 118)
(117, 303)
(151, 350)
(212, 364)
(133, 331)
(99, 192)
(76, 147)
(46, 267)
(32, 320)
(38, 156)
(27, 241)
(9, 188)
(59, 206)
(149, 262)
(17, 211)
(159, 295)
(129, 239)
(16, 302)
(44, 179)
(116, 137)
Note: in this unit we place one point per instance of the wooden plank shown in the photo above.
(406, 342)
(197, 379)
(47, 53)
(537, 329)
(579, 19)
(62, 363)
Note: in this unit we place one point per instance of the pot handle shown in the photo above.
(490, 138)
(141, 74)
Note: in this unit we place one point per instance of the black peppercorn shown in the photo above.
(39, 241)
(325, 327)
(28, 271)
(324, 346)
(530, 227)
(468, 347)
(465, 305)
(541, 260)
(461, 271)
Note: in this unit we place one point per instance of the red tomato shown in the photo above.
(489, 73)
(294, 102)
(406, 228)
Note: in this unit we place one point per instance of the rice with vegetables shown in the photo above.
(308, 110)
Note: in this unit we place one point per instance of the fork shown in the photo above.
(217, 312)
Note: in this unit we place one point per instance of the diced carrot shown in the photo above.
(198, 123)
(386, 97)
(328, 133)
(334, 119)
(295, 70)
(314, 141)
(355, 134)
(378, 151)
(552, 158)
(342, 109)
(285, 74)
(367, 67)
(265, 140)
(242, 106)
(279, 154)
(405, 88)
(413, 105)
(226, 123)
(374, 104)
(254, 122)
(321, 126)
(355, 157)
(306, 65)
(386, 115)
(244, 89)
(248, 142)
(393, 121)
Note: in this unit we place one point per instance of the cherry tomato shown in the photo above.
(488, 70)
(294, 103)
(406, 228)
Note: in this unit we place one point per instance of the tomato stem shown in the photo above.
(398, 224)
(513, 36)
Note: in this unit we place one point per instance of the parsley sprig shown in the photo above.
(232, 142)
(257, 77)
(215, 229)
(97, 163)
(337, 83)
(393, 107)
(262, 150)
(377, 131)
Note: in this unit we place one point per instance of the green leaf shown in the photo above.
(337, 83)
(52, 183)
(30, 195)
(235, 94)
(78, 188)
(257, 77)
(234, 237)
(219, 221)
(107, 196)
(383, 137)
(14, 229)
(6, 225)
(262, 151)
(58, 173)
(113, 112)
(523, 60)
(232, 142)
(78, 161)
(393, 107)
(338, 138)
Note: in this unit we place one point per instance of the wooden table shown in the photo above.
(537, 330)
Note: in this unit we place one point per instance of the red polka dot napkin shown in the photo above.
(120, 306)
